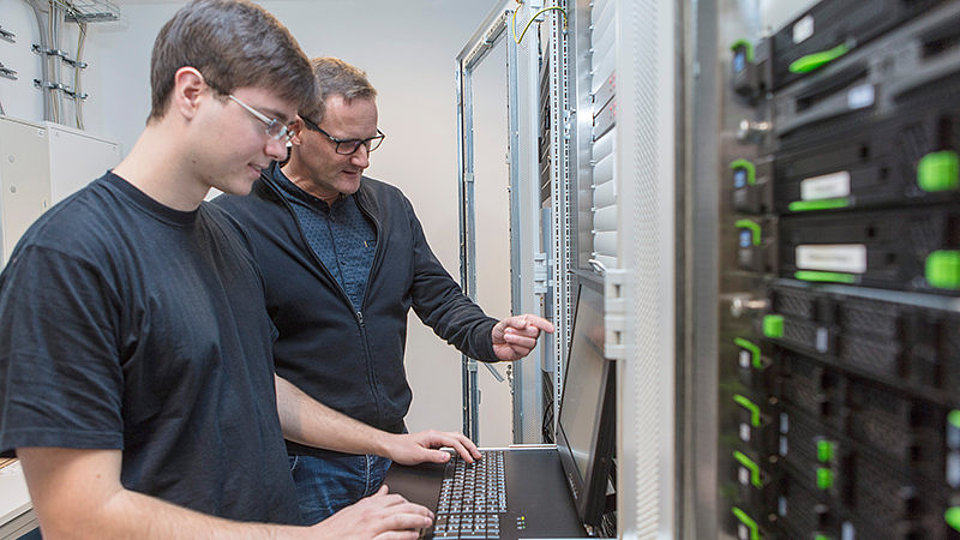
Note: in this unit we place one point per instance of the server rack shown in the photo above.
(827, 160)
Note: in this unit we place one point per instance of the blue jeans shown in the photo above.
(325, 485)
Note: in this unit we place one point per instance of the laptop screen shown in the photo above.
(585, 433)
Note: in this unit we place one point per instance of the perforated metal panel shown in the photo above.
(646, 173)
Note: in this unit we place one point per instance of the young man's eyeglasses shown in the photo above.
(275, 128)
(346, 147)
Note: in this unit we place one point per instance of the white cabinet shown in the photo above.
(41, 164)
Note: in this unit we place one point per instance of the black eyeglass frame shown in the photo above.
(368, 142)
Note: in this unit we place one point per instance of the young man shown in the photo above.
(344, 259)
(137, 377)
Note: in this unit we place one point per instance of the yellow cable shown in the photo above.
(533, 18)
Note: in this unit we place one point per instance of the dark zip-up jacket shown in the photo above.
(350, 360)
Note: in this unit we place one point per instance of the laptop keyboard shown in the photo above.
(472, 497)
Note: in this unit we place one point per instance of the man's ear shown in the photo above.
(297, 127)
(188, 90)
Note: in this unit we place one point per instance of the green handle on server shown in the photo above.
(811, 62)
(748, 522)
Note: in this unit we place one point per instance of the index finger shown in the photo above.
(538, 322)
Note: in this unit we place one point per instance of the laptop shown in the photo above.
(534, 491)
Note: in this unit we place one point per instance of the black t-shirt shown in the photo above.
(125, 324)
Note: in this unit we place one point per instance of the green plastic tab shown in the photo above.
(744, 402)
(952, 517)
(746, 45)
(821, 537)
(824, 478)
(832, 277)
(954, 418)
(751, 466)
(753, 226)
(754, 351)
(826, 450)
(749, 167)
(773, 326)
(749, 522)
(939, 171)
(943, 269)
(821, 204)
(811, 62)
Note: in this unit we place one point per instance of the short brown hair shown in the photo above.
(337, 77)
(233, 43)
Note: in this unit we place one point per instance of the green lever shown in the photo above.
(753, 226)
(750, 406)
(749, 522)
(751, 466)
(752, 349)
(747, 46)
(815, 275)
(749, 167)
(811, 62)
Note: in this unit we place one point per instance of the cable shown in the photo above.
(516, 39)
(53, 31)
(77, 100)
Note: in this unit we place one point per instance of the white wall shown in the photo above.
(408, 50)
(18, 97)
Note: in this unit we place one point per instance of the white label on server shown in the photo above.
(822, 339)
(847, 532)
(803, 29)
(827, 186)
(744, 433)
(860, 96)
(849, 258)
(953, 470)
(743, 475)
(745, 359)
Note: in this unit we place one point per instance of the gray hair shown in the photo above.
(338, 78)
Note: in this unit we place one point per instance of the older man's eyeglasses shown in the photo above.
(275, 128)
(346, 147)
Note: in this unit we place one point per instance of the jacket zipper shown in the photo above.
(376, 256)
(371, 374)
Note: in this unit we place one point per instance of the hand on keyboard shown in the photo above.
(423, 447)
(378, 514)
